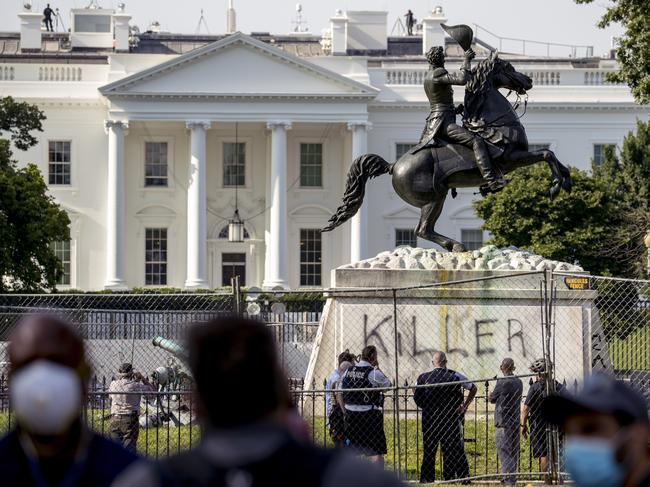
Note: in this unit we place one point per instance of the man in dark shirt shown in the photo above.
(531, 412)
(51, 445)
(443, 409)
(47, 13)
(410, 22)
(507, 397)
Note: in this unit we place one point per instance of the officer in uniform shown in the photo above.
(441, 122)
(364, 417)
(531, 412)
(443, 409)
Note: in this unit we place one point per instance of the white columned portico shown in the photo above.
(276, 245)
(359, 222)
(115, 206)
(197, 277)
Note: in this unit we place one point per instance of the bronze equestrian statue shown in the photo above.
(491, 143)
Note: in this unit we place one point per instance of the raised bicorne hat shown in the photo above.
(463, 34)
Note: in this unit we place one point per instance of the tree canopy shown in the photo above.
(30, 220)
(600, 225)
(633, 50)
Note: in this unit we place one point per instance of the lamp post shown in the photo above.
(236, 225)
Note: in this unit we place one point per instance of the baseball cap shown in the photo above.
(600, 394)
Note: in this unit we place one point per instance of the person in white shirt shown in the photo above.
(335, 414)
(364, 416)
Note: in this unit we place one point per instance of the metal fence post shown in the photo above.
(552, 434)
(398, 440)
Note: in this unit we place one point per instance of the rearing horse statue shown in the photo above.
(424, 179)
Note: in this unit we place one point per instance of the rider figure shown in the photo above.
(441, 122)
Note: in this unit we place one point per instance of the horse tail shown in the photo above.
(363, 168)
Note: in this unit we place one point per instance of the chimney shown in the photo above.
(231, 19)
(432, 33)
(30, 29)
(339, 33)
(367, 31)
(121, 29)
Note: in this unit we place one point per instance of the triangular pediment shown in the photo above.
(238, 66)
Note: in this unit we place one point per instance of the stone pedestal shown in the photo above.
(477, 316)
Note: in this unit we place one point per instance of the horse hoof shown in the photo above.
(567, 184)
(458, 247)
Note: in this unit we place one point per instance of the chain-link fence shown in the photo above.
(451, 420)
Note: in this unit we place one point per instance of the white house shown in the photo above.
(152, 140)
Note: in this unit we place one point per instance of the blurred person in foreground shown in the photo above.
(506, 395)
(531, 412)
(125, 393)
(364, 414)
(443, 412)
(607, 431)
(247, 434)
(333, 400)
(51, 445)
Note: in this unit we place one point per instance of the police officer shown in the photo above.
(531, 412)
(443, 409)
(364, 418)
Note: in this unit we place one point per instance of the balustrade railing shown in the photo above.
(553, 77)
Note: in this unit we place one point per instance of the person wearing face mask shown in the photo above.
(506, 395)
(50, 445)
(607, 431)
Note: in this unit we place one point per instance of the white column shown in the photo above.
(359, 222)
(197, 208)
(276, 245)
(115, 206)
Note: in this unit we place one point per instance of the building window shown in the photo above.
(62, 251)
(155, 164)
(59, 161)
(234, 164)
(472, 238)
(534, 147)
(310, 257)
(155, 257)
(311, 165)
(233, 264)
(405, 236)
(599, 152)
(402, 148)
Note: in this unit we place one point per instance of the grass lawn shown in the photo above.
(479, 443)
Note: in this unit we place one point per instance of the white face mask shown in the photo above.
(46, 397)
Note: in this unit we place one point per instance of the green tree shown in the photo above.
(570, 228)
(629, 172)
(633, 51)
(30, 220)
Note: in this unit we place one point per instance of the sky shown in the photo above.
(559, 21)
